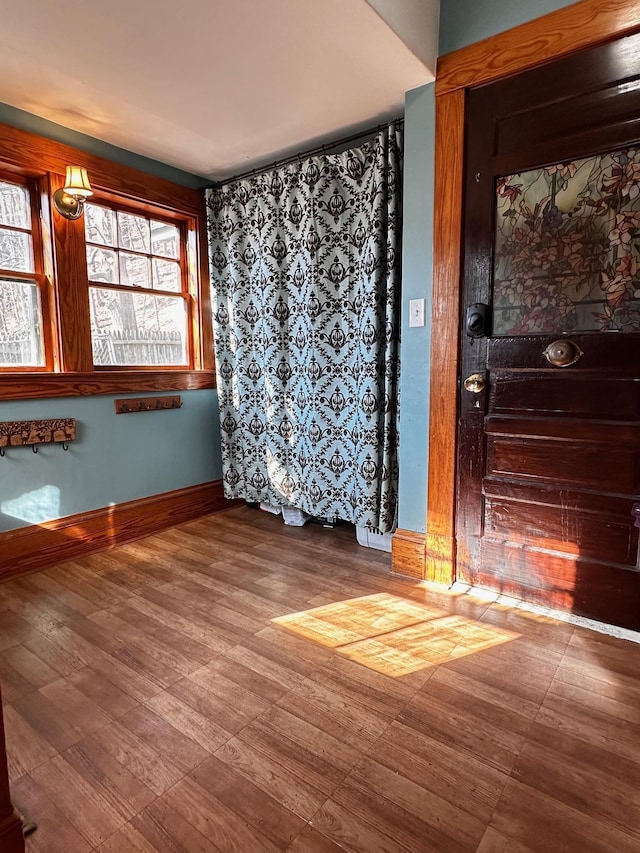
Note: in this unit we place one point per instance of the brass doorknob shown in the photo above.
(562, 353)
(475, 383)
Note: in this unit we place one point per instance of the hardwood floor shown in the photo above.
(236, 685)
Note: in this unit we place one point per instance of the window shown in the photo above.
(137, 289)
(21, 321)
(116, 301)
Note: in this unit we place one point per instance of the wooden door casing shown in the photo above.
(549, 462)
(580, 25)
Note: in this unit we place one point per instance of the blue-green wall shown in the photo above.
(116, 458)
(416, 284)
(50, 130)
(462, 22)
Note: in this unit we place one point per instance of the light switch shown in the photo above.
(416, 312)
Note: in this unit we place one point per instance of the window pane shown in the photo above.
(14, 205)
(165, 239)
(20, 324)
(137, 328)
(102, 265)
(166, 274)
(99, 225)
(133, 232)
(16, 252)
(134, 270)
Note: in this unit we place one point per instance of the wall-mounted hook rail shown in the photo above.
(147, 404)
(34, 433)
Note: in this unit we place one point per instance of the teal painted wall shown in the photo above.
(462, 22)
(50, 130)
(416, 284)
(116, 458)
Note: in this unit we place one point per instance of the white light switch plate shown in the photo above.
(416, 312)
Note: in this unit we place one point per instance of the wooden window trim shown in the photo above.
(190, 298)
(70, 370)
(581, 25)
(39, 385)
(38, 275)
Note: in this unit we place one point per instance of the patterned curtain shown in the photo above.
(305, 264)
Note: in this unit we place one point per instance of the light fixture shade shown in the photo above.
(76, 182)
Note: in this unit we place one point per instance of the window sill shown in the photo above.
(28, 386)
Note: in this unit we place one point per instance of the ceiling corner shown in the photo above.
(415, 22)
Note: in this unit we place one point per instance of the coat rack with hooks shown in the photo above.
(33, 433)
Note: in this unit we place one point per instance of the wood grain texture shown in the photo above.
(548, 463)
(159, 702)
(567, 30)
(198, 260)
(29, 548)
(11, 840)
(18, 433)
(35, 155)
(73, 324)
(130, 405)
(444, 342)
(65, 303)
(408, 553)
(26, 386)
(580, 25)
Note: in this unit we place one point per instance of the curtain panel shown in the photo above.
(305, 263)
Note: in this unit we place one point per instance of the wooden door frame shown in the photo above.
(581, 25)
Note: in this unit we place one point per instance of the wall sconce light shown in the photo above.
(69, 200)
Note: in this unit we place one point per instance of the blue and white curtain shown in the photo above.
(305, 263)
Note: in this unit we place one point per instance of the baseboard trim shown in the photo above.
(38, 546)
(408, 553)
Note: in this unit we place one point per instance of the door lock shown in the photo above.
(477, 322)
(475, 383)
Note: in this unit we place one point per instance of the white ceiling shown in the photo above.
(215, 86)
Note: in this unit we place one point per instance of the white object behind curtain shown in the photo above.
(305, 266)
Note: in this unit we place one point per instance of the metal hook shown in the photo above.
(34, 447)
(65, 446)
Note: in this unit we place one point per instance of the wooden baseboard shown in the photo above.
(40, 545)
(408, 553)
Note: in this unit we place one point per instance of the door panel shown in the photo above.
(549, 456)
(599, 538)
(580, 586)
(573, 395)
(579, 464)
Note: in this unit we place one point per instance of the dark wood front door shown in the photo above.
(549, 448)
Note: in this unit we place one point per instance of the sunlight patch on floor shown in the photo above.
(392, 635)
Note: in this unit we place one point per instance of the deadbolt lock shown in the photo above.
(475, 383)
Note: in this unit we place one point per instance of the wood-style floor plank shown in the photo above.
(233, 685)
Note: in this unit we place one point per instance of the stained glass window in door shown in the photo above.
(567, 247)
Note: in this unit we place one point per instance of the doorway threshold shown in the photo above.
(492, 597)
